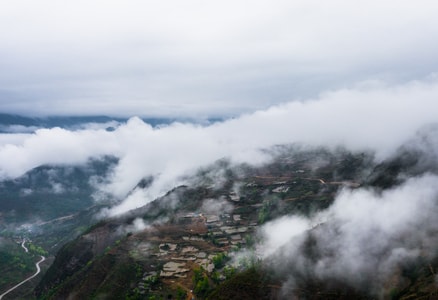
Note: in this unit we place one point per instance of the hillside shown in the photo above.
(203, 239)
(48, 206)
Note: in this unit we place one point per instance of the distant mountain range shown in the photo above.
(9, 122)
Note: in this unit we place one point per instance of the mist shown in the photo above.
(378, 118)
(362, 239)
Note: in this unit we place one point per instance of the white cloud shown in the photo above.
(216, 206)
(363, 237)
(134, 200)
(52, 146)
(365, 118)
(278, 233)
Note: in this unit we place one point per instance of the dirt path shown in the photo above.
(322, 181)
(57, 219)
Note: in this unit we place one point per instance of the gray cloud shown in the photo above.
(197, 58)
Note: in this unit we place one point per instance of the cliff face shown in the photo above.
(189, 241)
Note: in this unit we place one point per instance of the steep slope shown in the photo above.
(203, 240)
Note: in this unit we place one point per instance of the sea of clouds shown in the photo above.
(378, 118)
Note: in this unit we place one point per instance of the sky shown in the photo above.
(204, 58)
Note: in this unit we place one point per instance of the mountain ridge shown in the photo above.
(194, 249)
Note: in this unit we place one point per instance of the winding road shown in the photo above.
(37, 265)
(24, 247)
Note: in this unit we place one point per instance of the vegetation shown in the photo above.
(249, 284)
(15, 262)
(201, 283)
(219, 260)
(106, 261)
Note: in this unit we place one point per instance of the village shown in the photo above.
(195, 242)
(196, 239)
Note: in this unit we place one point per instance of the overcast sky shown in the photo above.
(204, 58)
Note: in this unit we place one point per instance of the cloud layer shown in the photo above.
(202, 58)
(363, 238)
(377, 118)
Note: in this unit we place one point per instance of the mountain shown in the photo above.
(51, 204)
(205, 240)
(46, 207)
(51, 191)
(16, 123)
